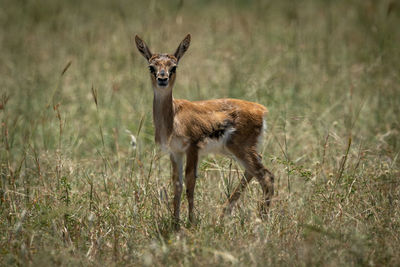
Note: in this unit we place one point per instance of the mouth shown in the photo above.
(162, 83)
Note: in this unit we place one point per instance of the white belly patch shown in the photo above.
(216, 145)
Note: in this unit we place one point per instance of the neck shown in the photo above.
(163, 114)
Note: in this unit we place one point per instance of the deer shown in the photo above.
(226, 126)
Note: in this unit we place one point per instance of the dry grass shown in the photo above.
(74, 192)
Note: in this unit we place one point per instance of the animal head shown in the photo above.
(162, 67)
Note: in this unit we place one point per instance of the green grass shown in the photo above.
(74, 192)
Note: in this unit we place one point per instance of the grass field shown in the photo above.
(73, 191)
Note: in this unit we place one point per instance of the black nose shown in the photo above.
(162, 81)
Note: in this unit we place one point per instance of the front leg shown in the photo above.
(177, 177)
(190, 177)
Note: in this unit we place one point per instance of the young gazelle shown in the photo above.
(228, 126)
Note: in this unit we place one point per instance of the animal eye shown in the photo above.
(152, 69)
(173, 69)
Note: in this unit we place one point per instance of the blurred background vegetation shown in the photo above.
(73, 89)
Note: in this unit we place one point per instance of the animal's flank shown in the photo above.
(220, 130)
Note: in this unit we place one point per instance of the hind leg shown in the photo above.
(230, 203)
(266, 180)
(252, 162)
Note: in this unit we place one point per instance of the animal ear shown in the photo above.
(183, 46)
(142, 47)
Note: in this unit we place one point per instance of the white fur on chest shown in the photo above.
(176, 144)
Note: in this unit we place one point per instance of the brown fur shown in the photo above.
(184, 128)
